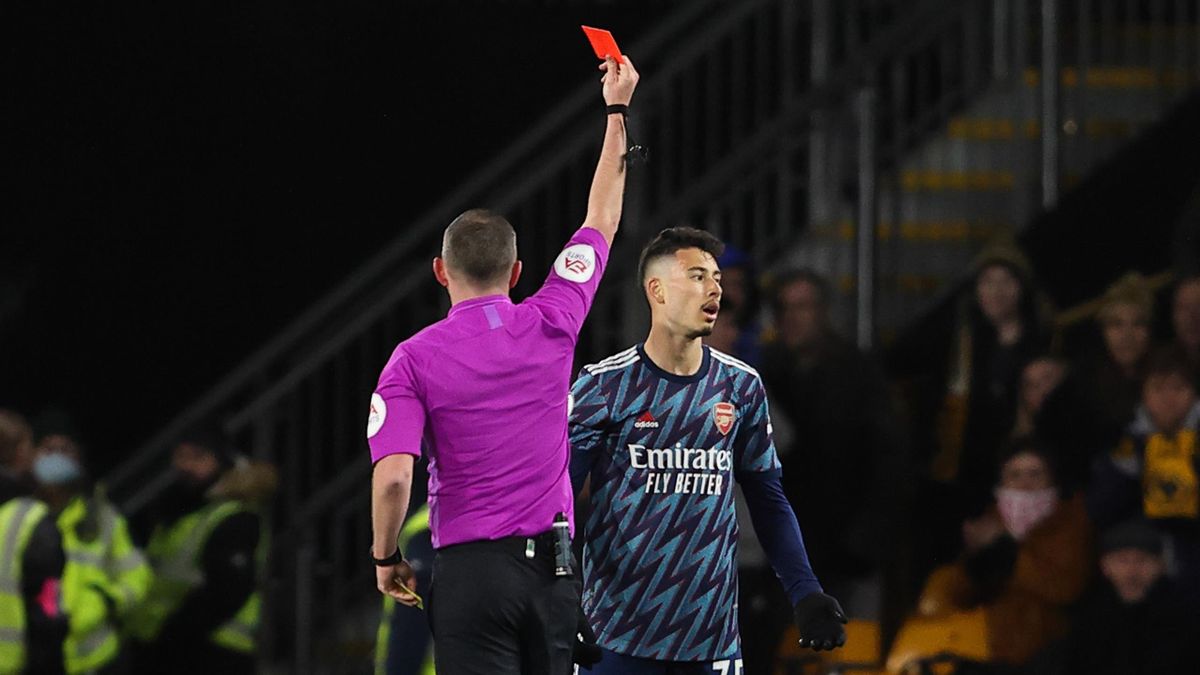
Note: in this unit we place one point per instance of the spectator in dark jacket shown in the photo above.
(847, 450)
(1133, 623)
(1106, 388)
(1154, 471)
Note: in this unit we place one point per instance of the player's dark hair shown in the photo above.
(481, 245)
(675, 239)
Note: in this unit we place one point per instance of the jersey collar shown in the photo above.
(683, 379)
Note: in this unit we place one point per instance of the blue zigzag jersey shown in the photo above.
(660, 578)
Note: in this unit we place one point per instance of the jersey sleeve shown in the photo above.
(566, 296)
(396, 419)
(588, 413)
(754, 447)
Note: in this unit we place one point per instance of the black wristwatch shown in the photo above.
(393, 559)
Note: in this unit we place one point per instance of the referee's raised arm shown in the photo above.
(608, 185)
(483, 393)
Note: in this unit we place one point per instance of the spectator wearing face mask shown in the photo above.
(105, 574)
(1133, 623)
(1154, 470)
(1025, 561)
(33, 622)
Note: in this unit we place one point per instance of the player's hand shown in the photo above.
(586, 652)
(620, 79)
(396, 581)
(820, 619)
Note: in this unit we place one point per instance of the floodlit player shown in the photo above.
(662, 430)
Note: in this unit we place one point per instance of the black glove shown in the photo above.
(820, 618)
(586, 652)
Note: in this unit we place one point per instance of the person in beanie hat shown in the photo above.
(202, 612)
(1133, 623)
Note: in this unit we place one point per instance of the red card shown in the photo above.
(603, 43)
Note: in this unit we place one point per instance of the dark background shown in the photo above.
(182, 178)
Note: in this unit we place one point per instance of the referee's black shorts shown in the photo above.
(496, 611)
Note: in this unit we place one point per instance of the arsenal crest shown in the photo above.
(724, 415)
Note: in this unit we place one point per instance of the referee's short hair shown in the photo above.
(675, 239)
(481, 245)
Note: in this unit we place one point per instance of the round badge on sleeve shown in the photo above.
(377, 416)
(576, 263)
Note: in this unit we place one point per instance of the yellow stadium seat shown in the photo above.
(961, 635)
(860, 656)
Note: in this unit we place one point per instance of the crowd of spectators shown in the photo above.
(1026, 473)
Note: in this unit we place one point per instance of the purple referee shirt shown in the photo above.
(486, 389)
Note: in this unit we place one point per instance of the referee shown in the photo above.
(486, 390)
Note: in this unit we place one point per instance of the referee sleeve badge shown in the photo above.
(377, 416)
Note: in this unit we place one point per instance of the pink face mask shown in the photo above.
(1021, 510)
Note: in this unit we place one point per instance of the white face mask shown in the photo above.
(1022, 510)
(56, 468)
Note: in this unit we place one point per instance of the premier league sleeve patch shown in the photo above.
(576, 263)
(377, 415)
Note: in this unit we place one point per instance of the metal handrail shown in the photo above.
(435, 218)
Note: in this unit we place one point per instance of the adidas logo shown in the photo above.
(646, 421)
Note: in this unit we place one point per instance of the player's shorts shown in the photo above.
(619, 664)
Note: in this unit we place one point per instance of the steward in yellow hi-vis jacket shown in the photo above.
(33, 623)
(207, 550)
(105, 574)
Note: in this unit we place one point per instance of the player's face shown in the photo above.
(690, 287)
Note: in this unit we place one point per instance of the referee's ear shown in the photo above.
(439, 271)
(515, 276)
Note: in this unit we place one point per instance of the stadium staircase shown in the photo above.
(915, 118)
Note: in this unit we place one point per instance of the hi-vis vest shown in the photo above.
(418, 522)
(18, 518)
(175, 556)
(102, 566)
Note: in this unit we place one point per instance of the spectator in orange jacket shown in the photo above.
(1026, 560)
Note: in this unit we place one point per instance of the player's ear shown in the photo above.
(439, 271)
(654, 290)
(515, 276)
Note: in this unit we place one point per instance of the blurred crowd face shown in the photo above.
(21, 460)
(1038, 379)
(802, 314)
(1026, 471)
(1185, 315)
(734, 291)
(1132, 572)
(1126, 331)
(1168, 398)
(198, 464)
(724, 334)
(998, 292)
